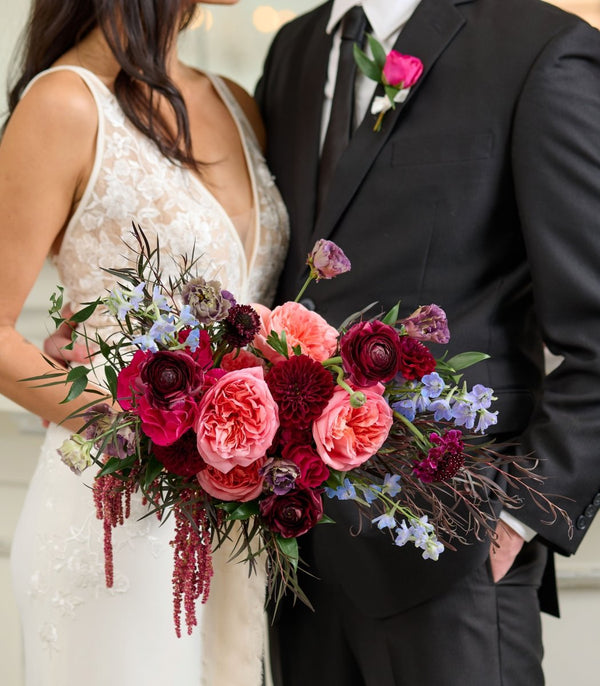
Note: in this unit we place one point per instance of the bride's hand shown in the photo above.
(55, 344)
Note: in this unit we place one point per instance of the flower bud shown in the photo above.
(327, 260)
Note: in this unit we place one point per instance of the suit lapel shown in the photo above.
(426, 35)
(311, 82)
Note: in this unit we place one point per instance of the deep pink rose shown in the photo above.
(239, 483)
(313, 471)
(237, 421)
(309, 330)
(370, 353)
(402, 71)
(162, 389)
(347, 436)
(292, 514)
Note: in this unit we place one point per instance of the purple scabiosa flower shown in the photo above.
(279, 475)
(327, 260)
(428, 323)
(241, 325)
(206, 300)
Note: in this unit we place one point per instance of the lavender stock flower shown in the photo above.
(327, 260)
(428, 323)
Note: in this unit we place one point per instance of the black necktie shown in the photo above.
(339, 128)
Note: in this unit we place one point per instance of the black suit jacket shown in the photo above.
(481, 194)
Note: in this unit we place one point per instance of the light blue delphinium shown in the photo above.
(159, 300)
(186, 318)
(407, 408)
(480, 397)
(162, 329)
(433, 385)
(442, 411)
(403, 534)
(391, 485)
(464, 414)
(344, 492)
(486, 419)
(385, 521)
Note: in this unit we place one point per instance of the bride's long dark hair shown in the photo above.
(139, 33)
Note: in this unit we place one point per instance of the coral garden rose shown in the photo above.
(370, 353)
(240, 483)
(292, 514)
(237, 420)
(309, 330)
(347, 436)
(240, 359)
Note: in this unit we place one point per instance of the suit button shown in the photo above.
(581, 523)
(589, 511)
(309, 303)
(596, 500)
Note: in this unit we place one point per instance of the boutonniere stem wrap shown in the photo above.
(397, 73)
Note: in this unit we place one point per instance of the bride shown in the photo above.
(107, 127)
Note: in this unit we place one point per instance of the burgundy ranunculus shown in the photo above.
(182, 457)
(428, 323)
(313, 471)
(170, 376)
(301, 388)
(415, 359)
(292, 514)
(370, 353)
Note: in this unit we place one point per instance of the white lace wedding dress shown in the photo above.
(76, 631)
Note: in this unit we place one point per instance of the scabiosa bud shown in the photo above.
(428, 323)
(327, 260)
(241, 326)
(206, 300)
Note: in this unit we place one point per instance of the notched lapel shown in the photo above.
(426, 35)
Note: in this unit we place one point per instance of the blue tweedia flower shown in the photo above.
(370, 493)
(433, 385)
(344, 492)
(193, 340)
(146, 343)
(391, 485)
(480, 397)
(432, 549)
(162, 329)
(159, 300)
(385, 521)
(441, 409)
(407, 408)
(186, 317)
(486, 419)
(403, 534)
(464, 414)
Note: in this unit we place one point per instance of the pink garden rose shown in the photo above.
(237, 421)
(402, 71)
(309, 330)
(240, 483)
(345, 436)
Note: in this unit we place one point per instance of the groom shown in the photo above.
(480, 193)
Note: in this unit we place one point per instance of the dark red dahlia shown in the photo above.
(301, 388)
(241, 325)
(415, 359)
(182, 457)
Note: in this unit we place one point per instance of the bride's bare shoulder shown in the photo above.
(250, 109)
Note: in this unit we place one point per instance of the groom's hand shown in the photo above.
(504, 550)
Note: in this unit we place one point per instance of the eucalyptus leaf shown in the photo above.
(466, 359)
(289, 547)
(378, 52)
(367, 66)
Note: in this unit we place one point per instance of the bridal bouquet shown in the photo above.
(238, 421)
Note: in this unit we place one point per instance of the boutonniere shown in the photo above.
(397, 73)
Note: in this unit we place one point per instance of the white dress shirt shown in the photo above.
(387, 18)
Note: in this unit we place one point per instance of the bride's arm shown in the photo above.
(46, 155)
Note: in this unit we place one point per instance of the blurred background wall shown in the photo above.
(233, 41)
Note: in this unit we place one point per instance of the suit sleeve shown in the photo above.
(556, 168)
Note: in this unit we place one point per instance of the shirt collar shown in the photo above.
(385, 16)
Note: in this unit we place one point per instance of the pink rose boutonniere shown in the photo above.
(397, 74)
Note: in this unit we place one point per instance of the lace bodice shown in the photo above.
(132, 181)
